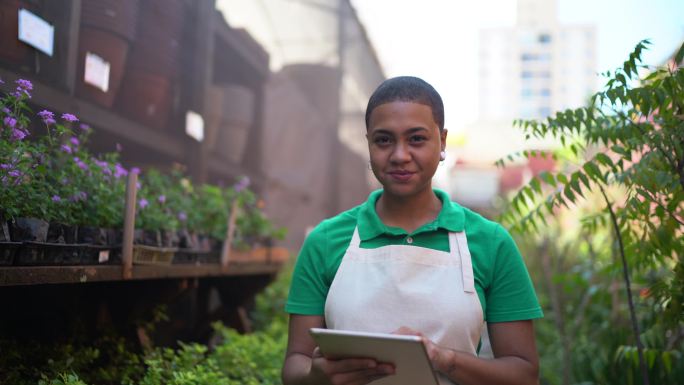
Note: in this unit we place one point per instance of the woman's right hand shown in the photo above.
(349, 371)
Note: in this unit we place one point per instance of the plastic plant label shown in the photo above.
(36, 32)
(104, 256)
(96, 72)
(194, 125)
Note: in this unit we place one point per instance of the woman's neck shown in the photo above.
(408, 213)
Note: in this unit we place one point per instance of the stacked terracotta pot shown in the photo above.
(154, 64)
(108, 27)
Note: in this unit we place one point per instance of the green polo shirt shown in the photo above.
(501, 279)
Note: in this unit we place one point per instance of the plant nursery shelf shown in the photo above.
(25, 275)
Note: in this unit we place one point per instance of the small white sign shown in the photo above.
(96, 71)
(36, 32)
(104, 256)
(194, 125)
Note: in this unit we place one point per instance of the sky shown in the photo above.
(437, 40)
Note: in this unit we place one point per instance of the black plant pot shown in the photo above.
(4, 229)
(188, 240)
(170, 238)
(28, 230)
(147, 237)
(61, 233)
(7, 252)
(114, 237)
(37, 254)
(92, 235)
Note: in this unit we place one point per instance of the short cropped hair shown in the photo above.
(407, 89)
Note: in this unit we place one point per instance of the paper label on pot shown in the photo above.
(36, 32)
(104, 256)
(194, 125)
(96, 71)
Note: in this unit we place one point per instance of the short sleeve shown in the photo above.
(309, 287)
(511, 295)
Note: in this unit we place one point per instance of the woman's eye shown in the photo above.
(380, 140)
(417, 139)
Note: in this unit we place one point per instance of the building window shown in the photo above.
(544, 38)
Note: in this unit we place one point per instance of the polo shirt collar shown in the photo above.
(450, 218)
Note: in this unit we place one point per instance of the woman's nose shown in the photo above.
(400, 153)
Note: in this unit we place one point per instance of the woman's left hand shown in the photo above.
(434, 351)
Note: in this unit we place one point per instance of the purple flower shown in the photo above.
(45, 114)
(74, 141)
(119, 171)
(14, 173)
(70, 117)
(18, 134)
(101, 163)
(24, 84)
(23, 88)
(56, 198)
(5, 166)
(137, 185)
(6, 110)
(143, 203)
(182, 216)
(1, 82)
(107, 171)
(119, 148)
(81, 164)
(84, 126)
(10, 122)
(49, 121)
(162, 199)
(135, 170)
(79, 196)
(242, 184)
(66, 148)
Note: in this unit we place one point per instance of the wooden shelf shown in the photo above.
(32, 275)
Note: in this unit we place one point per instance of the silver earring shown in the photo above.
(442, 155)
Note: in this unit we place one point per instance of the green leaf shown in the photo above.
(569, 194)
(548, 178)
(680, 55)
(593, 171)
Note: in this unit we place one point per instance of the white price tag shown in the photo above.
(96, 71)
(194, 125)
(36, 32)
(104, 256)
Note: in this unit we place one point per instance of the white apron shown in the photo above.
(431, 291)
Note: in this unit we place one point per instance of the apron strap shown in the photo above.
(458, 241)
(356, 240)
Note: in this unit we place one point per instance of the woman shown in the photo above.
(410, 261)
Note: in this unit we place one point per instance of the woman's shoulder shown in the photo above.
(339, 226)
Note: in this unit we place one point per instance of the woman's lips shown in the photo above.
(400, 176)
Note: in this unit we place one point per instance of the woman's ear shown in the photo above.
(443, 137)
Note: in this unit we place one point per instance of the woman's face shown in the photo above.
(404, 144)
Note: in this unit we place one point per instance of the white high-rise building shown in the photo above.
(537, 67)
(528, 71)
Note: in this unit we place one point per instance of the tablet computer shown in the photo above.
(406, 353)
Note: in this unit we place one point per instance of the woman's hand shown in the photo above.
(305, 364)
(351, 371)
(434, 351)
